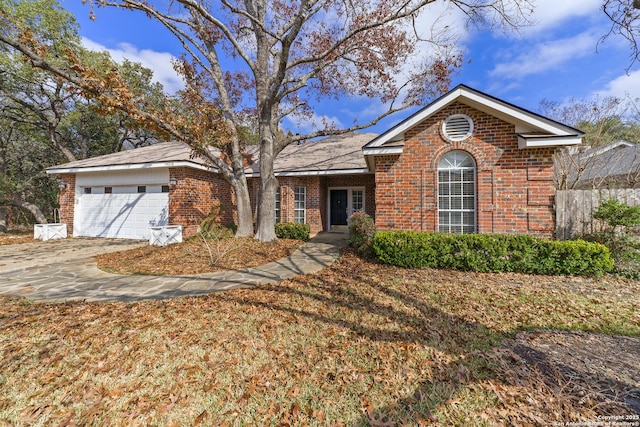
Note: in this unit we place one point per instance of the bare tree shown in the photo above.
(625, 22)
(273, 59)
(609, 155)
(290, 53)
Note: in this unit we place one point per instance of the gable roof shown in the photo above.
(338, 154)
(533, 129)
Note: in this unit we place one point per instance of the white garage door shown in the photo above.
(121, 204)
(124, 212)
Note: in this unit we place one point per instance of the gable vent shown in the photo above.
(457, 127)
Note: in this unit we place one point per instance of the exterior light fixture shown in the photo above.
(62, 185)
(173, 182)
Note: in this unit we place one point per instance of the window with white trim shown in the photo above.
(357, 200)
(299, 204)
(457, 193)
(277, 209)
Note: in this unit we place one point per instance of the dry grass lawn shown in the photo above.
(194, 257)
(357, 344)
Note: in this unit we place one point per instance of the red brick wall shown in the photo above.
(317, 194)
(191, 200)
(67, 201)
(515, 188)
(315, 206)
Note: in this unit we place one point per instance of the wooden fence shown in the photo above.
(574, 209)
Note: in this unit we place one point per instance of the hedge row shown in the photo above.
(292, 230)
(491, 253)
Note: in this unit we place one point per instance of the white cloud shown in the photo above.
(441, 19)
(623, 86)
(546, 56)
(551, 13)
(158, 62)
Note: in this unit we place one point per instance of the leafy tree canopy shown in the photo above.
(45, 120)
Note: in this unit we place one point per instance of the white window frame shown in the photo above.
(278, 209)
(300, 204)
(448, 228)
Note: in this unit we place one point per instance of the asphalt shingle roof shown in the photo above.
(334, 153)
(156, 153)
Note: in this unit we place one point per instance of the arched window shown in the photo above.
(457, 193)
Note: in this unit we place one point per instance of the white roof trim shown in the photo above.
(197, 166)
(479, 101)
(536, 141)
(316, 173)
(134, 166)
(398, 149)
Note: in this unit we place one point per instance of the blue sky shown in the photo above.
(557, 58)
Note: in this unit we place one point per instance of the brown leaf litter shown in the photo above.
(193, 257)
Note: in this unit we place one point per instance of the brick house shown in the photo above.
(468, 162)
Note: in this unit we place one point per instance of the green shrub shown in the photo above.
(362, 228)
(292, 230)
(491, 253)
(619, 219)
(617, 214)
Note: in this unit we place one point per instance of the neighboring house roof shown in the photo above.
(594, 151)
(333, 155)
(533, 129)
(616, 164)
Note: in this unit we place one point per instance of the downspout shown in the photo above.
(421, 199)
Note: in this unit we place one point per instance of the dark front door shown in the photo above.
(338, 207)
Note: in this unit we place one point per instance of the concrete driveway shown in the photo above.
(42, 254)
(60, 270)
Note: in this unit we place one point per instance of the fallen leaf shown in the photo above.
(200, 417)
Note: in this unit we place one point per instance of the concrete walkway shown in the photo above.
(65, 270)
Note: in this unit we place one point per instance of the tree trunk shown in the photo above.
(40, 218)
(243, 203)
(3, 219)
(268, 186)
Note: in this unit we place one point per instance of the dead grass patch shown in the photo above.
(357, 344)
(15, 238)
(192, 256)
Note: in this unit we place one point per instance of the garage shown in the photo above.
(121, 205)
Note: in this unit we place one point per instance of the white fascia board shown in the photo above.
(177, 164)
(316, 173)
(371, 152)
(547, 141)
(378, 151)
(325, 172)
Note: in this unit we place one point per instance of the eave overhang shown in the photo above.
(543, 141)
(357, 171)
(131, 166)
